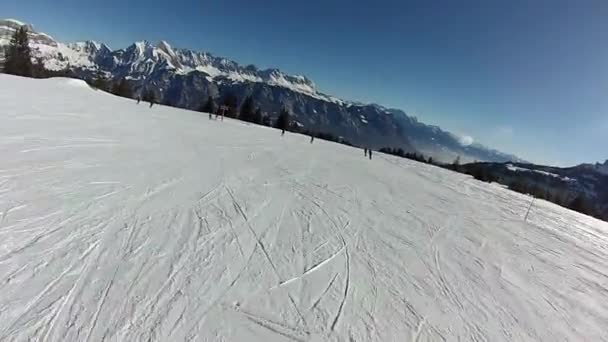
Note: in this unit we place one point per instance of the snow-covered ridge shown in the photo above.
(514, 168)
(9, 26)
(145, 58)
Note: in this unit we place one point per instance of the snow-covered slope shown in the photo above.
(123, 222)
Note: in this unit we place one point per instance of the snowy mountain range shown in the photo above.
(185, 78)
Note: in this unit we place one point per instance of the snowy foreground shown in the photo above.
(123, 223)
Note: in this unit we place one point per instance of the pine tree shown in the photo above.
(231, 102)
(209, 106)
(18, 58)
(100, 82)
(122, 88)
(149, 96)
(38, 69)
(582, 205)
(247, 110)
(258, 117)
(283, 120)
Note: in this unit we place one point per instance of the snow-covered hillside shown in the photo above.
(123, 222)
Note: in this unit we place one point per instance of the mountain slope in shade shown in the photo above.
(185, 78)
(598, 167)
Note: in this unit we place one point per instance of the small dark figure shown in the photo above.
(209, 116)
(312, 138)
(138, 99)
(282, 132)
(151, 104)
(370, 154)
(365, 151)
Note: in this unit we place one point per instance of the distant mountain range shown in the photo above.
(185, 78)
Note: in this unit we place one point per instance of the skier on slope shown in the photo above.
(312, 138)
(365, 151)
(370, 154)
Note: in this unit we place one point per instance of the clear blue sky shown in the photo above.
(527, 77)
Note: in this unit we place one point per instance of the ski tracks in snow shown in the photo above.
(435, 246)
(173, 228)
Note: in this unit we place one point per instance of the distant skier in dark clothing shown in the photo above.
(370, 154)
(312, 138)
(138, 99)
(151, 104)
(365, 149)
(282, 132)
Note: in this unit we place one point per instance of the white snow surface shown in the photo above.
(121, 222)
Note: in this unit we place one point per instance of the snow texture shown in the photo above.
(121, 222)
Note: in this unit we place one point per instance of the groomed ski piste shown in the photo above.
(121, 222)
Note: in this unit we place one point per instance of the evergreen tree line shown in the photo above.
(18, 55)
(483, 172)
(399, 152)
(575, 201)
(553, 193)
(248, 111)
(18, 59)
(323, 136)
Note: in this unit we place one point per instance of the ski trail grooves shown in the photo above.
(255, 236)
(346, 286)
(311, 270)
(34, 301)
(327, 288)
(102, 301)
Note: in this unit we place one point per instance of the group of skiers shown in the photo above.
(367, 151)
